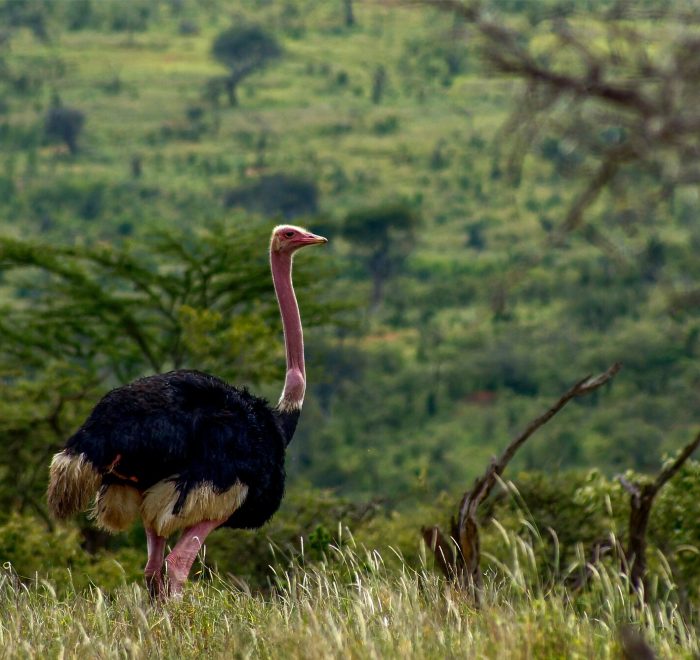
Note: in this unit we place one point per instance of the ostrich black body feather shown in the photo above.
(193, 428)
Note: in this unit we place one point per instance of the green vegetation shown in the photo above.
(243, 50)
(353, 606)
(472, 275)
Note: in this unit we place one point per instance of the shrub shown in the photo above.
(33, 551)
(283, 194)
(65, 124)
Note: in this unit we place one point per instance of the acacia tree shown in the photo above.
(243, 50)
(384, 236)
(634, 102)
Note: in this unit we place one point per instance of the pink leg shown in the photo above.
(154, 565)
(180, 560)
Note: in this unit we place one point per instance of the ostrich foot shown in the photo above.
(154, 566)
(155, 583)
(179, 561)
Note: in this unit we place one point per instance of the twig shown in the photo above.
(668, 472)
(581, 388)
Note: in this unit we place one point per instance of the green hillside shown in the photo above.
(484, 321)
(483, 303)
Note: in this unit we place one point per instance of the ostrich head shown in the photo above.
(288, 239)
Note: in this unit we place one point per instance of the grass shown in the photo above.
(352, 606)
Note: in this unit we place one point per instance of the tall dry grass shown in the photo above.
(354, 605)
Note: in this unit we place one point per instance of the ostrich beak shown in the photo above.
(312, 239)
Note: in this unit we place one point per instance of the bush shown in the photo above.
(33, 551)
(283, 194)
(65, 124)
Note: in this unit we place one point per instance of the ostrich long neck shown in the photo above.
(295, 381)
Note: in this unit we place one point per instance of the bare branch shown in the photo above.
(668, 472)
(605, 174)
(463, 567)
(583, 387)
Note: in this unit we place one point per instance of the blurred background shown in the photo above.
(511, 199)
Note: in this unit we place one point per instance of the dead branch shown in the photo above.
(459, 555)
(631, 488)
(668, 473)
(641, 502)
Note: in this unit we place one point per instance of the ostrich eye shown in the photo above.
(289, 234)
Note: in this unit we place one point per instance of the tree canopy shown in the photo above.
(243, 49)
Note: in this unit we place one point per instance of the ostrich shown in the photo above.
(186, 451)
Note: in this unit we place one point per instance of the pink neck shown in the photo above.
(295, 380)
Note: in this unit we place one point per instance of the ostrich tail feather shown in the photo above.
(73, 482)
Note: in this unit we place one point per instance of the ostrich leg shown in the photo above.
(180, 560)
(154, 565)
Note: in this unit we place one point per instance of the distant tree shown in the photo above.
(131, 17)
(243, 50)
(79, 14)
(136, 166)
(433, 61)
(31, 14)
(274, 194)
(384, 236)
(65, 124)
(349, 13)
(378, 84)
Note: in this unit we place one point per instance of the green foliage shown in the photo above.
(276, 194)
(136, 312)
(243, 50)
(384, 236)
(32, 552)
(31, 14)
(434, 61)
